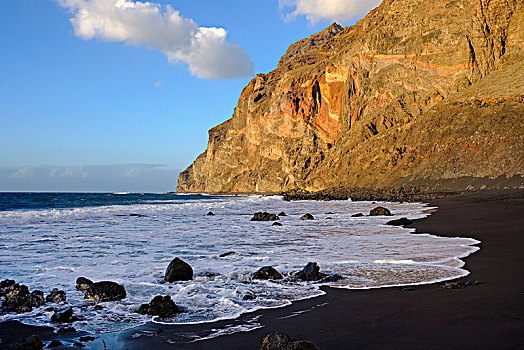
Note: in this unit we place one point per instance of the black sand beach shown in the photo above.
(489, 315)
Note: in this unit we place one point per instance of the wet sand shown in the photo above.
(487, 316)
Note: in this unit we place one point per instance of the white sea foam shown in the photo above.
(51, 248)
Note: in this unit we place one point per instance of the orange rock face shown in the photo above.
(389, 101)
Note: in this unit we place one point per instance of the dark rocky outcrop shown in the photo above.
(5, 285)
(18, 298)
(400, 222)
(178, 270)
(358, 215)
(32, 343)
(311, 272)
(380, 211)
(281, 341)
(282, 214)
(307, 217)
(161, 306)
(56, 296)
(267, 273)
(210, 214)
(276, 223)
(263, 216)
(105, 291)
(63, 316)
(86, 338)
(83, 283)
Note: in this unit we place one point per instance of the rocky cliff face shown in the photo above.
(417, 92)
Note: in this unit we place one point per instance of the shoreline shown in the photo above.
(487, 315)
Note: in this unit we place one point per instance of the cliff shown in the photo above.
(422, 92)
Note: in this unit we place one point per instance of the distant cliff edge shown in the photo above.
(419, 92)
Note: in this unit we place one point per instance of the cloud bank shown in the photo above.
(89, 178)
(333, 10)
(205, 50)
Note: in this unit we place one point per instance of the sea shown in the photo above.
(48, 240)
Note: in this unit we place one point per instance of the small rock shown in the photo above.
(161, 306)
(56, 296)
(83, 283)
(63, 316)
(135, 215)
(86, 338)
(332, 278)
(281, 341)
(37, 298)
(267, 273)
(223, 255)
(400, 222)
(282, 214)
(307, 217)
(263, 216)
(79, 345)
(55, 343)
(380, 211)
(178, 270)
(65, 330)
(33, 342)
(249, 295)
(105, 291)
(276, 223)
(210, 214)
(311, 272)
(358, 215)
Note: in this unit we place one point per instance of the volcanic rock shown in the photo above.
(83, 283)
(311, 272)
(276, 223)
(281, 341)
(263, 216)
(56, 296)
(267, 273)
(55, 343)
(161, 306)
(380, 211)
(400, 222)
(307, 217)
(210, 214)
(63, 316)
(19, 300)
(178, 270)
(358, 215)
(32, 343)
(282, 214)
(105, 291)
(223, 255)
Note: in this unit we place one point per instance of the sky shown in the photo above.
(118, 95)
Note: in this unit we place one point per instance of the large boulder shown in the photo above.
(400, 222)
(267, 273)
(105, 291)
(281, 341)
(56, 296)
(311, 272)
(178, 270)
(263, 216)
(5, 285)
(161, 306)
(380, 211)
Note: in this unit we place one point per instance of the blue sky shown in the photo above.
(71, 96)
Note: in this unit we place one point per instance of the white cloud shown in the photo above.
(205, 50)
(333, 10)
